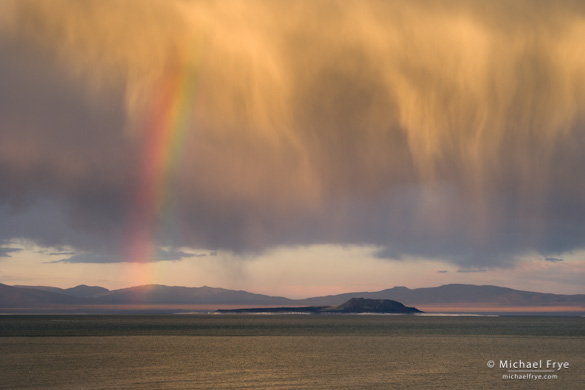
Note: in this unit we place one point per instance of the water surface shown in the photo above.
(283, 352)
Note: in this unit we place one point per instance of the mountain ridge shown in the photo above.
(450, 294)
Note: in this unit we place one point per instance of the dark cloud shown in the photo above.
(203, 254)
(421, 128)
(88, 258)
(553, 259)
(64, 253)
(161, 255)
(443, 271)
(5, 252)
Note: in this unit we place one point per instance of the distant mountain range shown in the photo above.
(458, 294)
(153, 294)
(22, 298)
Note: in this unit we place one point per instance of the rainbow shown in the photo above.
(160, 155)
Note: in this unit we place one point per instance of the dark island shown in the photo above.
(353, 306)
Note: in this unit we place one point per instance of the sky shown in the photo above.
(293, 148)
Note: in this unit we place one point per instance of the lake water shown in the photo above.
(287, 352)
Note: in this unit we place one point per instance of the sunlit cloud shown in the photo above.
(424, 129)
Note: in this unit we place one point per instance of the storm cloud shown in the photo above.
(434, 129)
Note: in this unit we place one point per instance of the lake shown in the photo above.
(290, 352)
